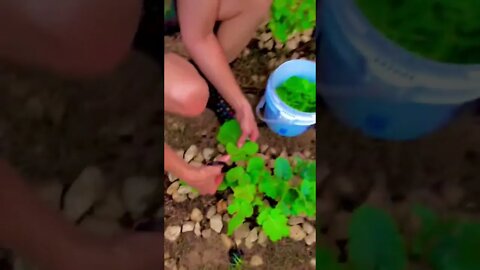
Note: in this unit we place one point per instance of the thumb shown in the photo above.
(242, 139)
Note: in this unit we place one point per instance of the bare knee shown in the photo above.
(185, 88)
(191, 95)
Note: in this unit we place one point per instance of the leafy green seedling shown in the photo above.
(374, 242)
(274, 223)
(299, 94)
(291, 16)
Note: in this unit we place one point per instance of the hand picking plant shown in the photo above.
(299, 94)
(291, 189)
(292, 16)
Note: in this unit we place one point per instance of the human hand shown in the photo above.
(248, 124)
(206, 179)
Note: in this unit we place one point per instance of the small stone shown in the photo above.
(307, 153)
(295, 220)
(284, 153)
(184, 190)
(199, 158)
(172, 233)
(197, 229)
(112, 207)
(269, 44)
(273, 151)
(256, 261)
(173, 188)
(86, 190)
(196, 164)
(179, 198)
(137, 192)
(172, 178)
(271, 163)
(193, 195)
(308, 228)
(262, 239)
(216, 223)
(188, 226)
(166, 255)
(206, 233)
(296, 233)
(227, 242)
(311, 238)
(242, 231)
(211, 211)
(207, 153)
(171, 264)
(221, 207)
(251, 238)
(238, 242)
(182, 267)
(313, 263)
(221, 148)
(191, 152)
(196, 215)
(226, 218)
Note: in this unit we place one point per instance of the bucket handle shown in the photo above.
(260, 105)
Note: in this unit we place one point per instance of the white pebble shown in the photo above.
(172, 233)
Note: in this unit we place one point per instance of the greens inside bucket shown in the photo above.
(442, 30)
(299, 94)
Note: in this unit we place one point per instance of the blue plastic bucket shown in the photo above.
(374, 85)
(281, 118)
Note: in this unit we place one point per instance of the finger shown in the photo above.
(255, 133)
(242, 139)
(225, 158)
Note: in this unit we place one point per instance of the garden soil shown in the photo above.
(51, 129)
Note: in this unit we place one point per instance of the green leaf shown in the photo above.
(282, 169)
(241, 207)
(309, 190)
(374, 242)
(229, 132)
(272, 187)
(326, 260)
(250, 148)
(274, 224)
(234, 223)
(223, 186)
(290, 196)
(234, 175)
(255, 164)
(246, 192)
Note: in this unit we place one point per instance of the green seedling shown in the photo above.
(292, 187)
(299, 94)
(291, 16)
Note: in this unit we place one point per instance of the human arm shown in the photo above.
(197, 20)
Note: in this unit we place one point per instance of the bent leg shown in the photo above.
(240, 20)
(78, 37)
(186, 92)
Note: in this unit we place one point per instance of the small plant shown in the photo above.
(292, 16)
(299, 94)
(290, 189)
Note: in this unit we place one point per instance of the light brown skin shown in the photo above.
(85, 38)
